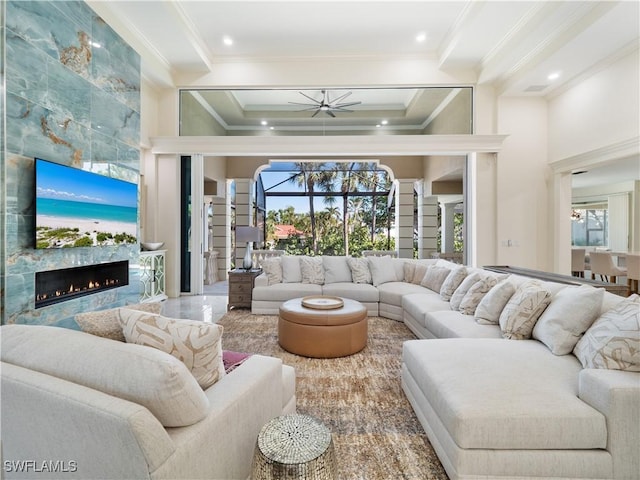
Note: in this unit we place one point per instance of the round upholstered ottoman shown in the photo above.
(322, 333)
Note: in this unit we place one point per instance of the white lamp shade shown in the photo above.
(248, 234)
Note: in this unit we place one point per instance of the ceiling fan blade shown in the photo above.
(316, 112)
(310, 98)
(342, 97)
(330, 113)
(349, 104)
(314, 105)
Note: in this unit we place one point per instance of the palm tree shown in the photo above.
(345, 175)
(311, 175)
(370, 181)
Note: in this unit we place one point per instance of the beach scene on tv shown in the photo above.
(76, 208)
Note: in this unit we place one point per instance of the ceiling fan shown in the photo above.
(326, 104)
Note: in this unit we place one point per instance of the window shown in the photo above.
(589, 226)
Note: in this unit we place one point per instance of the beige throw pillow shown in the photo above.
(453, 281)
(196, 344)
(475, 294)
(418, 273)
(291, 272)
(105, 323)
(409, 270)
(336, 269)
(462, 290)
(490, 307)
(613, 341)
(435, 277)
(312, 270)
(360, 272)
(272, 267)
(521, 312)
(571, 312)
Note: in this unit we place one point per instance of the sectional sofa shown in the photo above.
(502, 377)
(78, 405)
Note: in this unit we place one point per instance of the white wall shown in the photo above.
(600, 111)
(522, 191)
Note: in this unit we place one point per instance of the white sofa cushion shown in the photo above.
(105, 323)
(392, 293)
(360, 272)
(491, 306)
(531, 402)
(613, 341)
(523, 309)
(419, 303)
(361, 292)
(291, 272)
(336, 269)
(142, 375)
(196, 344)
(453, 324)
(281, 292)
(383, 270)
(571, 312)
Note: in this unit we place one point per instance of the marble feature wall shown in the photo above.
(72, 96)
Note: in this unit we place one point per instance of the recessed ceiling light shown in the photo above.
(421, 37)
(384, 122)
(227, 40)
(264, 122)
(378, 126)
(270, 128)
(553, 76)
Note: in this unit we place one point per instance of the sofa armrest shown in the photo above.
(261, 280)
(616, 394)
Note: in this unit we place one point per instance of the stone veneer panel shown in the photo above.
(70, 102)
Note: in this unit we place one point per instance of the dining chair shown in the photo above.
(633, 272)
(602, 264)
(578, 264)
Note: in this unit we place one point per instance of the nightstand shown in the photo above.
(240, 287)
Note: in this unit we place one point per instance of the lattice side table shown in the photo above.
(294, 447)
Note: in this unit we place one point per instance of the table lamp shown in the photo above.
(249, 235)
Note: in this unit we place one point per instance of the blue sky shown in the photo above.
(67, 183)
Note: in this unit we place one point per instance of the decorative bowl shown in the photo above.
(152, 245)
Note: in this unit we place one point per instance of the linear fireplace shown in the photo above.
(53, 286)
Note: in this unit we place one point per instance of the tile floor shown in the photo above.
(209, 307)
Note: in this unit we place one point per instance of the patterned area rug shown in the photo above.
(375, 432)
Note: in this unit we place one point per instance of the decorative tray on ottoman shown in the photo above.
(322, 302)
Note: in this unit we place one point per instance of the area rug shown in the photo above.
(375, 431)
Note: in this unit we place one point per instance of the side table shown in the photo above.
(241, 287)
(294, 447)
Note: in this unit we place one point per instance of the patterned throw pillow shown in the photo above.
(196, 344)
(490, 307)
(613, 341)
(521, 312)
(434, 277)
(312, 270)
(571, 312)
(272, 267)
(105, 323)
(462, 290)
(360, 272)
(453, 281)
(475, 294)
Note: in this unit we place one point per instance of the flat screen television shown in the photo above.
(76, 208)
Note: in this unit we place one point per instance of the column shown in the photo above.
(221, 239)
(427, 225)
(446, 222)
(404, 217)
(244, 210)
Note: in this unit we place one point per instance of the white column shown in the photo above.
(244, 210)
(619, 222)
(427, 225)
(221, 241)
(404, 217)
(560, 228)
